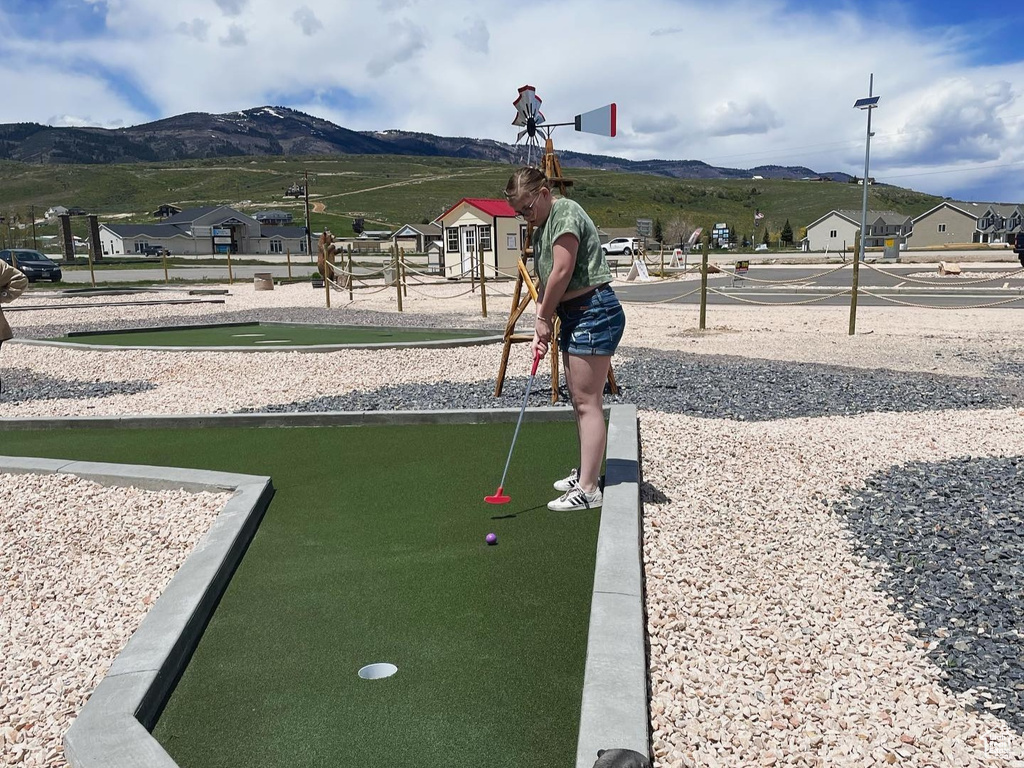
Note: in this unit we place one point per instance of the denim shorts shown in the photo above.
(592, 324)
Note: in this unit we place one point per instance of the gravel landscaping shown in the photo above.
(832, 524)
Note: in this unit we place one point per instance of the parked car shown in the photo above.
(155, 250)
(625, 246)
(33, 264)
(1018, 247)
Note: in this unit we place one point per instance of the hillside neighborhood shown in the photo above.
(470, 226)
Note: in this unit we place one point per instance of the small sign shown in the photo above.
(742, 267)
(221, 232)
(644, 227)
(638, 271)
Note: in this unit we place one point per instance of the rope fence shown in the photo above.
(852, 291)
(402, 276)
(959, 282)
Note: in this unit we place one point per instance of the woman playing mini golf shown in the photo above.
(574, 283)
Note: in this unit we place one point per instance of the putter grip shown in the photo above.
(536, 362)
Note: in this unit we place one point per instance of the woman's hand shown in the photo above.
(541, 336)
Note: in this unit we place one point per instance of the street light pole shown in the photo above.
(309, 235)
(868, 104)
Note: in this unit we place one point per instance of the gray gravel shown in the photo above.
(716, 387)
(952, 536)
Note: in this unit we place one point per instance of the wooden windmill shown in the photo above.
(532, 121)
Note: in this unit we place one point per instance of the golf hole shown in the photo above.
(377, 671)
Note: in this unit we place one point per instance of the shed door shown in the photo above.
(468, 250)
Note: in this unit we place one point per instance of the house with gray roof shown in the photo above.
(837, 231)
(211, 230)
(948, 223)
(1000, 222)
(416, 237)
(273, 218)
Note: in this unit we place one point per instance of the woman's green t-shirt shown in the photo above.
(568, 217)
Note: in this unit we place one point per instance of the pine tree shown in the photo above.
(787, 234)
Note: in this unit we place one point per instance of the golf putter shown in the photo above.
(499, 496)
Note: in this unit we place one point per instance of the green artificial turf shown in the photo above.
(373, 551)
(266, 335)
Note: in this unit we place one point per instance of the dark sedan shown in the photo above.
(33, 264)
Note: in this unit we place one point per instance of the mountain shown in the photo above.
(267, 131)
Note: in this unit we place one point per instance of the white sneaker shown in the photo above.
(576, 498)
(566, 483)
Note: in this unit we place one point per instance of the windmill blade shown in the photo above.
(527, 106)
(600, 121)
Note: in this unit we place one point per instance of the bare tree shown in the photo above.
(678, 230)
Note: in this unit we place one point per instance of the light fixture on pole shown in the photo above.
(868, 104)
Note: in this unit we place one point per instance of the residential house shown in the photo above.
(414, 238)
(166, 210)
(203, 231)
(273, 218)
(948, 223)
(999, 223)
(838, 231)
(835, 232)
(480, 225)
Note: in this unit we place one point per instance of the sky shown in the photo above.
(734, 83)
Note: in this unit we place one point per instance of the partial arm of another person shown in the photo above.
(12, 283)
(564, 260)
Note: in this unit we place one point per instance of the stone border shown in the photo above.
(436, 344)
(112, 729)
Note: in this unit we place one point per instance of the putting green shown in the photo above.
(373, 551)
(267, 335)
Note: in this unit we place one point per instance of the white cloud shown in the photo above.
(196, 28)
(307, 21)
(692, 80)
(752, 117)
(235, 36)
(475, 36)
(404, 41)
(232, 7)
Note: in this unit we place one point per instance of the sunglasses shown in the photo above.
(521, 214)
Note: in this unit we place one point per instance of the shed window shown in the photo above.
(452, 234)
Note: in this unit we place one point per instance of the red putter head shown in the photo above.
(499, 497)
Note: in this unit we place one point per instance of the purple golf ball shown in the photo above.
(491, 538)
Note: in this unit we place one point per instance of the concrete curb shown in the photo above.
(614, 711)
(113, 728)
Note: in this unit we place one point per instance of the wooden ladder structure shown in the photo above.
(520, 302)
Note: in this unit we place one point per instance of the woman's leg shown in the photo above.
(585, 376)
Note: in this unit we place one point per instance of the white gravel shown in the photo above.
(81, 564)
(772, 642)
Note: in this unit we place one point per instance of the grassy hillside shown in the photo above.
(389, 191)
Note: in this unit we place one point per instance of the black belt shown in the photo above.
(583, 298)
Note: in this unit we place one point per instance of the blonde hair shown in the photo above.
(526, 181)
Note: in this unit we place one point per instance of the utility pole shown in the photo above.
(35, 242)
(309, 235)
